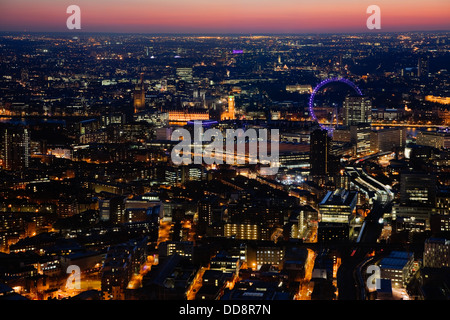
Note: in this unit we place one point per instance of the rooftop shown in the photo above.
(396, 260)
(340, 197)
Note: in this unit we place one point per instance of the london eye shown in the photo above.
(333, 122)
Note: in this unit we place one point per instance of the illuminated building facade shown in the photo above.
(398, 267)
(436, 253)
(300, 88)
(434, 139)
(387, 139)
(139, 95)
(183, 248)
(357, 114)
(122, 261)
(357, 110)
(225, 263)
(230, 114)
(242, 231)
(187, 115)
(338, 206)
(417, 201)
(16, 148)
(361, 137)
(269, 255)
(185, 74)
(437, 99)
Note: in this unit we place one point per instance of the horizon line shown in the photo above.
(75, 32)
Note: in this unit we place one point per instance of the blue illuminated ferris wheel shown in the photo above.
(330, 128)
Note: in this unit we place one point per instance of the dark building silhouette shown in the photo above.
(16, 148)
(422, 67)
(418, 189)
(319, 152)
(321, 161)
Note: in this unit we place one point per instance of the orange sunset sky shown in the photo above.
(224, 16)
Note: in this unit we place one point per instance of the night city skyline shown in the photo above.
(227, 157)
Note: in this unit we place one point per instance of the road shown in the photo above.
(196, 285)
(136, 280)
(350, 281)
(306, 286)
(408, 125)
(164, 231)
(360, 279)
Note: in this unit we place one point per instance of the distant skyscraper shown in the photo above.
(357, 110)
(357, 115)
(16, 148)
(422, 67)
(139, 95)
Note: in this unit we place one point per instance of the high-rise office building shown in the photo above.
(16, 148)
(357, 110)
(139, 95)
(319, 152)
(417, 203)
(357, 116)
(436, 253)
(422, 67)
(418, 189)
